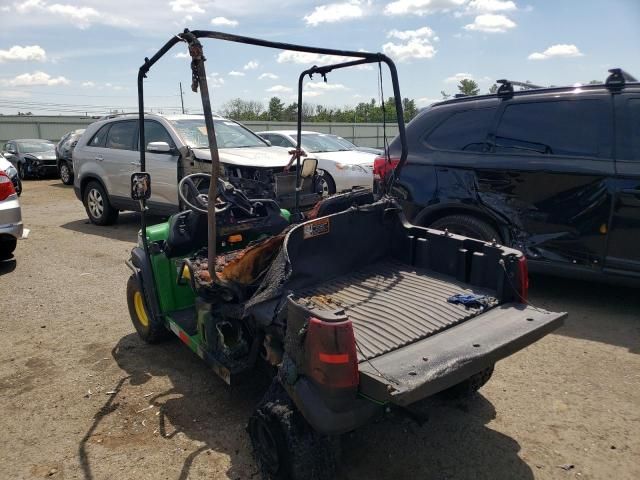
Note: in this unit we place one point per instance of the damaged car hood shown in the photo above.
(268, 157)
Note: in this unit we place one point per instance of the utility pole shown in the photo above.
(181, 99)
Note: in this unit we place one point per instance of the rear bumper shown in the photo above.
(438, 362)
(11, 218)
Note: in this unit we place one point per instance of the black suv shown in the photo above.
(554, 172)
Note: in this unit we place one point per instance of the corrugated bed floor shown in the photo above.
(392, 304)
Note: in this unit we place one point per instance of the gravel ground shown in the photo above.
(82, 397)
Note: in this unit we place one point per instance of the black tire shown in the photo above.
(7, 247)
(22, 172)
(469, 387)
(149, 329)
(284, 444)
(66, 173)
(97, 204)
(468, 226)
(325, 185)
(19, 186)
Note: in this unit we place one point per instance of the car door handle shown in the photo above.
(99, 158)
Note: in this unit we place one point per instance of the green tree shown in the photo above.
(409, 108)
(276, 109)
(468, 87)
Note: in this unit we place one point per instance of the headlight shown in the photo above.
(349, 167)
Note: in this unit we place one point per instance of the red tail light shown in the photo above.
(6, 187)
(382, 166)
(331, 354)
(523, 279)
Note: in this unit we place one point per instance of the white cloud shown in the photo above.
(424, 32)
(182, 55)
(224, 22)
(335, 12)
(325, 87)
(269, 76)
(278, 89)
(88, 84)
(34, 79)
(489, 6)
(306, 58)
(490, 23)
(252, 65)
(81, 17)
(457, 77)
(414, 48)
(27, 53)
(421, 7)
(234, 73)
(560, 50)
(188, 6)
(215, 81)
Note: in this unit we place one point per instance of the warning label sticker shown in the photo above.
(316, 228)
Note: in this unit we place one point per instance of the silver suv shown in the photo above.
(107, 154)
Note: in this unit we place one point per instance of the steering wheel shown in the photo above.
(193, 198)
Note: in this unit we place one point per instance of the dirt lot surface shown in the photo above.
(82, 397)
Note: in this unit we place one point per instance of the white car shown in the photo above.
(10, 213)
(340, 168)
(107, 154)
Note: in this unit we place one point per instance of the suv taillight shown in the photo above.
(331, 354)
(6, 187)
(382, 166)
(523, 279)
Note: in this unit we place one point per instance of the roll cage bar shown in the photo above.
(199, 80)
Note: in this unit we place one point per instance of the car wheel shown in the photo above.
(469, 388)
(284, 444)
(19, 186)
(148, 328)
(22, 172)
(7, 246)
(96, 203)
(66, 174)
(467, 226)
(325, 184)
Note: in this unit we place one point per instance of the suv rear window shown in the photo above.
(121, 135)
(566, 127)
(466, 130)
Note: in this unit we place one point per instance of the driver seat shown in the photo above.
(187, 233)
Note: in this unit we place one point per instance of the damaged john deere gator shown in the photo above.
(349, 309)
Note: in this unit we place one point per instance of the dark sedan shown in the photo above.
(32, 157)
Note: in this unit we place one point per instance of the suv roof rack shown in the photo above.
(618, 79)
(506, 86)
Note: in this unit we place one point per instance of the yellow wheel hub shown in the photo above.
(138, 303)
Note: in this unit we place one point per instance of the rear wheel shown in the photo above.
(284, 444)
(469, 387)
(148, 328)
(65, 173)
(96, 203)
(22, 172)
(467, 226)
(7, 246)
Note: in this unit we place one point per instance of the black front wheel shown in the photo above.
(66, 173)
(19, 186)
(97, 204)
(284, 444)
(467, 226)
(325, 185)
(22, 171)
(7, 246)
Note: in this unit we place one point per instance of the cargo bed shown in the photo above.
(392, 304)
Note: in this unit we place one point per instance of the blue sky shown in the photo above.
(65, 56)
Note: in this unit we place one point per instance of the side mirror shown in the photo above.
(140, 186)
(308, 167)
(158, 147)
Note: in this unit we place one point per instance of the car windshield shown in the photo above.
(35, 147)
(344, 142)
(228, 134)
(317, 142)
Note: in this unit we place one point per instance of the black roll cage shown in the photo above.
(199, 80)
